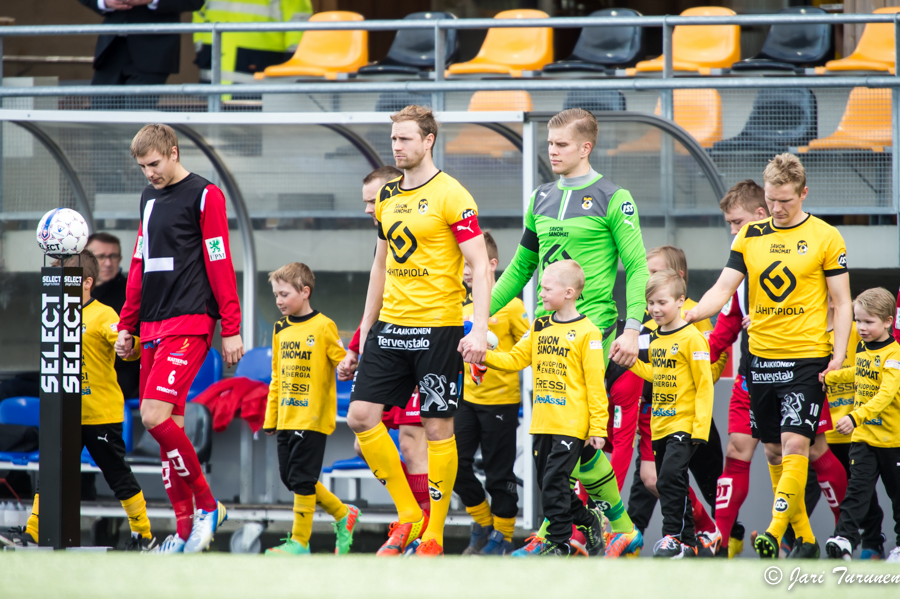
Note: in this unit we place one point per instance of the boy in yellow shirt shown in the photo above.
(102, 413)
(488, 416)
(681, 407)
(565, 350)
(302, 406)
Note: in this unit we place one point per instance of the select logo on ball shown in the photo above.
(62, 232)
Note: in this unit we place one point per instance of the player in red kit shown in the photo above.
(181, 282)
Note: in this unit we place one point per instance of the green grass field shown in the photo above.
(220, 576)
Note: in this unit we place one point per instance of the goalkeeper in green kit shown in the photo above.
(585, 217)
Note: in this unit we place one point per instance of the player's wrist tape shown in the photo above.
(633, 324)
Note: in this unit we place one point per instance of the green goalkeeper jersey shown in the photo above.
(595, 224)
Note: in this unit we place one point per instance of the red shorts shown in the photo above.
(644, 431)
(408, 416)
(624, 405)
(825, 422)
(739, 408)
(168, 368)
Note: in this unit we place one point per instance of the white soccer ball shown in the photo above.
(62, 232)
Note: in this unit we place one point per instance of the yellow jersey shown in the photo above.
(302, 394)
(682, 383)
(841, 395)
(569, 369)
(423, 286)
(876, 406)
(497, 388)
(785, 271)
(705, 326)
(102, 401)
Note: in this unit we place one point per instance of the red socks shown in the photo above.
(833, 481)
(183, 463)
(180, 496)
(702, 521)
(732, 489)
(418, 484)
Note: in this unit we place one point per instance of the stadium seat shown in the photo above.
(700, 47)
(792, 47)
(601, 100)
(865, 125)
(875, 50)
(209, 373)
(326, 53)
(476, 140)
(698, 111)
(256, 364)
(780, 119)
(197, 427)
(127, 436)
(25, 411)
(509, 51)
(600, 49)
(412, 51)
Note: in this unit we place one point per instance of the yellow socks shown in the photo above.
(383, 458)
(136, 508)
(789, 495)
(775, 475)
(31, 527)
(330, 503)
(507, 526)
(481, 513)
(304, 507)
(442, 466)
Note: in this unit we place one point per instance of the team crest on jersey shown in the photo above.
(423, 206)
(627, 208)
(674, 349)
(215, 247)
(802, 248)
(139, 247)
(466, 214)
(311, 340)
(570, 335)
(842, 260)
(877, 361)
(587, 202)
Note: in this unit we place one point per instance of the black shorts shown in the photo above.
(300, 455)
(785, 397)
(396, 359)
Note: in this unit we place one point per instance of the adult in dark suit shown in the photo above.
(138, 59)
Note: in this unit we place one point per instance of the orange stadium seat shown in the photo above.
(875, 50)
(866, 124)
(509, 51)
(697, 111)
(700, 47)
(326, 53)
(475, 139)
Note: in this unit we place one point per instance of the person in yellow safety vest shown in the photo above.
(245, 53)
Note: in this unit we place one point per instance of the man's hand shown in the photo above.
(834, 364)
(597, 442)
(124, 345)
(348, 366)
(137, 2)
(745, 322)
(117, 5)
(269, 431)
(624, 351)
(232, 349)
(845, 425)
(473, 346)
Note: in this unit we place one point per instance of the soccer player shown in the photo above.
(102, 413)
(488, 417)
(413, 325)
(180, 283)
(413, 445)
(623, 388)
(791, 261)
(587, 218)
(570, 406)
(682, 407)
(302, 406)
(875, 443)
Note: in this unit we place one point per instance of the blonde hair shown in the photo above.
(585, 124)
(297, 274)
(491, 245)
(569, 273)
(666, 278)
(785, 168)
(878, 302)
(422, 116)
(674, 258)
(747, 194)
(157, 137)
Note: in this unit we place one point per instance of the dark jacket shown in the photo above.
(149, 53)
(112, 293)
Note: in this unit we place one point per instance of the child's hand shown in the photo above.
(597, 442)
(124, 345)
(269, 431)
(348, 366)
(477, 371)
(845, 425)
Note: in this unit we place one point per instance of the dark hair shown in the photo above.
(491, 244)
(382, 173)
(86, 260)
(104, 237)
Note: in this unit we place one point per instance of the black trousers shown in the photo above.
(119, 69)
(673, 456)
(106, 446)
(871, 522)
(555, 458)
(867, 463)
(494, 429)
(300, 455)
